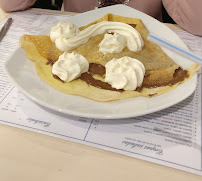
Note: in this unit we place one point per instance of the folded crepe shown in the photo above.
(162, 73)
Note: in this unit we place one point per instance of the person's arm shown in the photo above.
(15, 5)
(186, 13)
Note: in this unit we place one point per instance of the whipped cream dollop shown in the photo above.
(112, 43)
(134, 41)
(124, 73)
(70, 66)
(63, 30)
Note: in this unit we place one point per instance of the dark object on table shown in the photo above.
(105, 3)
(166, 17)
(48, 4)
(5, 28)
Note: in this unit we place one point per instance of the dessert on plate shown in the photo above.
(108, 59)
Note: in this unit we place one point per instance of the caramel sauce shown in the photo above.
(58, 78)
(50, 62)
(150, 95)
(178, 76)
(88, 78)
(133, 25)
(98, 69)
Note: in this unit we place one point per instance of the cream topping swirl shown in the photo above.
(64, 30)
(134, 41)
(112, 43)
(70, 66)
(124, 73)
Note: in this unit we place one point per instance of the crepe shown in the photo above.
(162, 73)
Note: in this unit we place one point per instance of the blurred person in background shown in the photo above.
(185, 13)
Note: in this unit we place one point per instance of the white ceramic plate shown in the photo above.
(22, 73)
